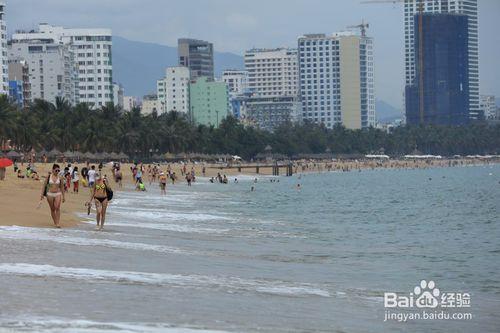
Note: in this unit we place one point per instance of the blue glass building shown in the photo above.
(445, 71)
(16, 92)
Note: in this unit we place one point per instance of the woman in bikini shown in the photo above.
(100, 196)
(53, 189)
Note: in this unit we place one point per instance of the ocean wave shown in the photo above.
(43, 235)
(170, 227)
(57, 325)
(229, 284)
(158, 214)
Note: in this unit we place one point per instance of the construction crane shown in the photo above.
(363, 26)
(420, 9)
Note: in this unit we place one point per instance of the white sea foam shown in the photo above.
(58, 325)
(171, 227)
(44, 235)
(159, 214)
(229, 284)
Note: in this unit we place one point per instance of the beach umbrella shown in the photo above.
(54, 153)
(123, 156)
(90, 156)
(43, 152)
(105, 156)
(99, 156)
(5, 162)
(14, 154)
(69, 154)
(114, 156)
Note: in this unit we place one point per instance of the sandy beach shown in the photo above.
(20, 197)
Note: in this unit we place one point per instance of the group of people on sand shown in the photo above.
(58, 182)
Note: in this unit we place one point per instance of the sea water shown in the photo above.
(223, 258)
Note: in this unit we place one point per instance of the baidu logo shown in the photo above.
(427, 293)
(424, 298)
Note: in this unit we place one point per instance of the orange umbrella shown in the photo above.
(5, 162)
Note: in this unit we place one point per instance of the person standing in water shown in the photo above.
(99, 193)
(53, 190)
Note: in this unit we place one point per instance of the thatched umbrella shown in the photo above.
(54, 153)
(106, 156)
(89, 156)
(43, 152)
(99, 156)
(156, 157)
(69, 154)
(123, 156)
(14, 154)
(114, 156)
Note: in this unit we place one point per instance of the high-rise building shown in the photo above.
(198, 56)
(445, 79)
(130, 103)
(272, 72)
(268, 113)
(92, 49)
(466, 7)
(4, 79)
(19, 81)
(208, 101)
(173, 90)
(149, 104)
(336, 78)
(52, 68)
(488, 107)
(118, 93)
(236, 80)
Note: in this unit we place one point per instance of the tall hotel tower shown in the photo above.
(467, 7)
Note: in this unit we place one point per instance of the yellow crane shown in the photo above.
(420, 9)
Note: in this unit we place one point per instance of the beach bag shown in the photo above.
(109, 193)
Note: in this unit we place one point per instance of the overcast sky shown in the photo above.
(237, 25)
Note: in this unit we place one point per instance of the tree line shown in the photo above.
(43, 125)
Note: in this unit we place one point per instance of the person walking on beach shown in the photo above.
(53, 190)
(118, 176)
(163, 183)
(91, 176)
(99, 193)
(75, 179)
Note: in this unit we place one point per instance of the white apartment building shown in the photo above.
(236, 80)
(173, 90)
(129, 103)
(52, 69)
(336, 79)
(4, 78)
(272, 72)
(118, 95)
(92, 48)
(149, 105)
(467, 7)
(488, 106)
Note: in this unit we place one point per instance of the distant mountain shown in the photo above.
(137, 65)
(387, 113)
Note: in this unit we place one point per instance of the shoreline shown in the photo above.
(20, 197)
